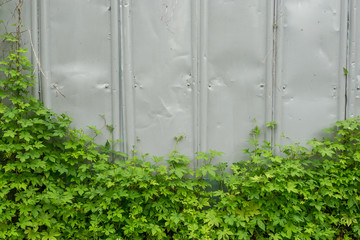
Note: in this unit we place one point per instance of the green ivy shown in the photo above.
(56, 183)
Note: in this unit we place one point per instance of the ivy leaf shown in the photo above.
(261, 224)
(9, 133)
(212, 219)
(26, 136)
(291, 187)
(2, 108)
(176, 218)
(230, 220)
(179, 172)
(271, 124)
(326, 152)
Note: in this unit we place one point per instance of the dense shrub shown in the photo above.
(56, 183)
(298, 193)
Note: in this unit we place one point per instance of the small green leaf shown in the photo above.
(179, 172)
(9, 133)
(271, 124)
(2, 108)
(107, 145)
(261, 224)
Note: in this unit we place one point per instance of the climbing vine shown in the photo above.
(56, 183)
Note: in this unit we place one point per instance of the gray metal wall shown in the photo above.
(200, 68)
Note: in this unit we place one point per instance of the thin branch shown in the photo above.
(5, 2)
(38, 64)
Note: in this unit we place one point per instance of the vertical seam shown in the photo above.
(274, 55)
(347, 58)
(195, 22)
(115, 75)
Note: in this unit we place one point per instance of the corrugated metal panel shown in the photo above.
(190, 69)
(310, 84)
(159, 83)
(75, 40)
(237, 72)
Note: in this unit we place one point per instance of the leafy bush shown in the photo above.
(56, 183)
(298, 193)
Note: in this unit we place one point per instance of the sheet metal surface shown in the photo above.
(76, 56)
(158, 73)
(202, 69)
(311, 54)
(237, 72)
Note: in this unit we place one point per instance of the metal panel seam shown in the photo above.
(352, 86)
(44, 53)
(271, 75)
(344, 54)
(276, 110)
(203, 75)
(348, 62)
(115, 76)
(126, 62)
(195, 13)
(34, 41)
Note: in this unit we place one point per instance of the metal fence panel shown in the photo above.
(310, 83)
(203, 69)
(75, 40)
(237, 72)
(159, 86)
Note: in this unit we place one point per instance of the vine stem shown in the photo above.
(18, 37)
(18, 26)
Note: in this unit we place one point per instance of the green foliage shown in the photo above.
(56, 183)
(299, 193)
(271, 124)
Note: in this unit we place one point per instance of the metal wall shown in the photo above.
(204, 69)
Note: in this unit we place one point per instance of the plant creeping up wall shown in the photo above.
(57, 183)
